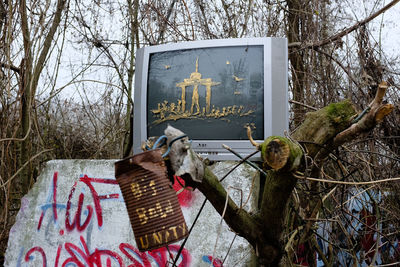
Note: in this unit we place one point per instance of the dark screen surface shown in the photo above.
(208, 93)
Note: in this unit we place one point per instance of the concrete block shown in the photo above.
(75, 216)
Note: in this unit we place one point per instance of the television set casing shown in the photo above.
(276, 114)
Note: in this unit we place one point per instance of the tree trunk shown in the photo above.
(296, 59)
(283, 159)
(28, 83)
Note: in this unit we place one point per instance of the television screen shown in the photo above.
(208, 93)
(212, 90)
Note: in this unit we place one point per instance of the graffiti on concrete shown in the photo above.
(80, 219)
(75, 216)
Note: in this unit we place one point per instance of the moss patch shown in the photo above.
(340, 112)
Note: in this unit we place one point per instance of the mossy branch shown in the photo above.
(376, 112)
(321, 132)
(322, 126)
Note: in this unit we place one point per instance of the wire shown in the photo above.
(162, 140)
(202, 206)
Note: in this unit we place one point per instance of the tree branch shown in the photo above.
(11, 67)
(375, 113)
(325, 129)
(339, 35)
(47, 43)
(323, 125)
(166, 19)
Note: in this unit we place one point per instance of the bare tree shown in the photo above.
(345, 215)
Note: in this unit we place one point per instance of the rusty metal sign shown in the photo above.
(153, 208)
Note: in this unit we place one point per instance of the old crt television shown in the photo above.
(212, 90)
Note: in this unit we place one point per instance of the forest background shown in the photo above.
(66, 83)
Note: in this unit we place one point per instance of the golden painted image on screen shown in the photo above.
(217, 90)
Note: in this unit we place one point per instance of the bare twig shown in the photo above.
(247, 161)
(302, 104)
(254, 143)
(347, 183)
(23, 166)
(220, 224)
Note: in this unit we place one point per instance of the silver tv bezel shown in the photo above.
(276, 114)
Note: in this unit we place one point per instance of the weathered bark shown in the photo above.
(278, 187)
